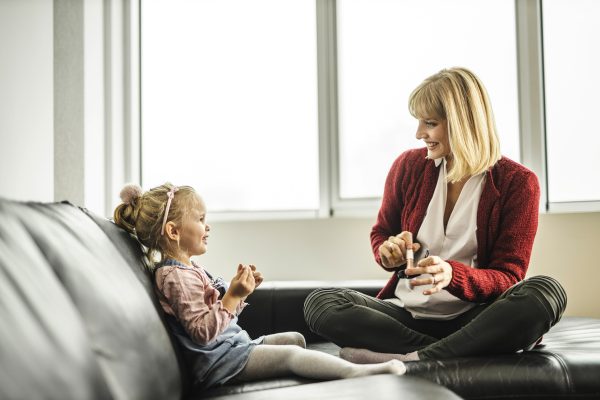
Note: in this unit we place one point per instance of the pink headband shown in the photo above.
(170, 196)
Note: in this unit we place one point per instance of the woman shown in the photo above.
(473, 215)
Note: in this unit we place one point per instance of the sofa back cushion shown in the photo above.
(76, 321)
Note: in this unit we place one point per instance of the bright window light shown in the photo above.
(229, 101)
(571, 65)
(387, 47)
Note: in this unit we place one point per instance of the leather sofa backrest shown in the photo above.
(76, 316)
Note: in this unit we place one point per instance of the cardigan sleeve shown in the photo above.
(388, 219)
(510, 251)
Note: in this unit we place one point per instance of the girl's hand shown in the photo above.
(393, 250)
(240, 287)
(440, 271)
(258, 278)
(243, 282)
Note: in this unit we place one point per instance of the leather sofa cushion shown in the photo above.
(75, 320)
(566, 365)
(379, 387)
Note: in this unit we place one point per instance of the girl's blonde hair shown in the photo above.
(458, 96)
(142, 213)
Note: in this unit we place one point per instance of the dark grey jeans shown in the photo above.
(514, 321)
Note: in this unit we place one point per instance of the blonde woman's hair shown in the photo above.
(458, 96)
(142, 213)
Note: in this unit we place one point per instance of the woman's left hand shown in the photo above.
(440, 271)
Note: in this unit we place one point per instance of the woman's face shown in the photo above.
(434, 133)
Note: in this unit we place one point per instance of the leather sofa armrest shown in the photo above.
(278, 306)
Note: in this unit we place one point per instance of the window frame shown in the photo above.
(532, 120)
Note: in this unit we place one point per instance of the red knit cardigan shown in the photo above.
(507, 219)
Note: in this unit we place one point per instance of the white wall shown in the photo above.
(26, 100)
(330, 249)
(566, 248)
(327, 249)
(66, 100)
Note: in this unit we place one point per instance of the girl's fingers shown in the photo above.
(244, 273)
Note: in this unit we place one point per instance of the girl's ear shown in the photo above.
(172, 231)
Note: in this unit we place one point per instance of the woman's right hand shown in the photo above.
(393, 251)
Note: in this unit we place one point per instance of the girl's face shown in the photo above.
(194, 231)
(435, 135)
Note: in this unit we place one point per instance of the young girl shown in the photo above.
(202, 312)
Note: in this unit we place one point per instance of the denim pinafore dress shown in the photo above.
(215, 363)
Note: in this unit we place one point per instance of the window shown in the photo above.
(571, 65)
(386, 48)
(229, 101)
(234, 94)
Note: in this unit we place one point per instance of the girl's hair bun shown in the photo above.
(130, 193)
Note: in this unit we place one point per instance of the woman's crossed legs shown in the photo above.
(376, 330)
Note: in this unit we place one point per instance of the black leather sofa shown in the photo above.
(79, 320)
(566, 365)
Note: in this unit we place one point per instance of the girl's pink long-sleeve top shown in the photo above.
(187, 294)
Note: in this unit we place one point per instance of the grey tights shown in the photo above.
(284, 354)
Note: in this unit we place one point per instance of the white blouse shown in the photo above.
(458, 242)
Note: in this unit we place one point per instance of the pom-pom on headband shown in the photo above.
(130, 193)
